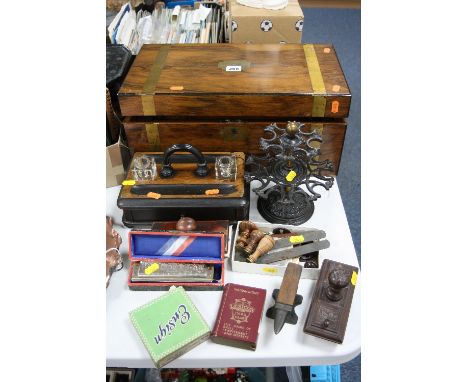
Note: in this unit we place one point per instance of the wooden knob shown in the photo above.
(337, 279)
(186, 224)
(241, 242)
(245, 228)
(265, 245)
(255, 236)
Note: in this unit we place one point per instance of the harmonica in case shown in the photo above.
(149, 271)
(159, 260)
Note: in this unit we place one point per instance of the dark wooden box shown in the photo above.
(184, 90)
(139, 210)
(143, 212)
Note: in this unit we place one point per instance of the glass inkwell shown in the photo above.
(144, 168)
(226, 167)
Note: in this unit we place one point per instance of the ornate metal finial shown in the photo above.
(289, 162)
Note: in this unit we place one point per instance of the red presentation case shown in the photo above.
(204, 248)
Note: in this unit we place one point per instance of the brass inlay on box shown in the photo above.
(316, 79)
(152, 80)
(152, 135)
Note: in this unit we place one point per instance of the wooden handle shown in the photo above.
(264, 246)
(288, 289)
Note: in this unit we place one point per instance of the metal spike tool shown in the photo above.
(286, 298)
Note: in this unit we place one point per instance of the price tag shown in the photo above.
(151, 269)
(233, 68)
(128, 182)
(153, 195)
(335, 106)
(270, 270)
(291, 175)
(354, 278)
(296, 239)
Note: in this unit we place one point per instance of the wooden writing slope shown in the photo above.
(222, 96)
(267, 80)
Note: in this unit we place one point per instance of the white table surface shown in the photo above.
(290, 347)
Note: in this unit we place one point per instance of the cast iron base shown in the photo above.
(295, 212)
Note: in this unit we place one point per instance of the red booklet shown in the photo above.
(239, 316)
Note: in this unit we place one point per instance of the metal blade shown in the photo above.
(301, 237)
(280, 319)
(291, 253)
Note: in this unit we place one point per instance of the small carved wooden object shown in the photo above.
(265, 245)
(286, 298)
(255, 236)
(245, 227)
(331, 302)
(186, 224)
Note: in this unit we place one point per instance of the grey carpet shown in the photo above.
(342, 28)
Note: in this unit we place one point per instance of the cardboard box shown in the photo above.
(117, 160)
(239, 264)
(264, 26)
(169, 326)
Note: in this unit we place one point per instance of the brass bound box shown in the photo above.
(220, 97)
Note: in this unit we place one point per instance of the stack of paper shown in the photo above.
(168, 26)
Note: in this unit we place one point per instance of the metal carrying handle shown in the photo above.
(167, 171)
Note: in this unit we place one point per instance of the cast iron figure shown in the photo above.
(290, 161)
